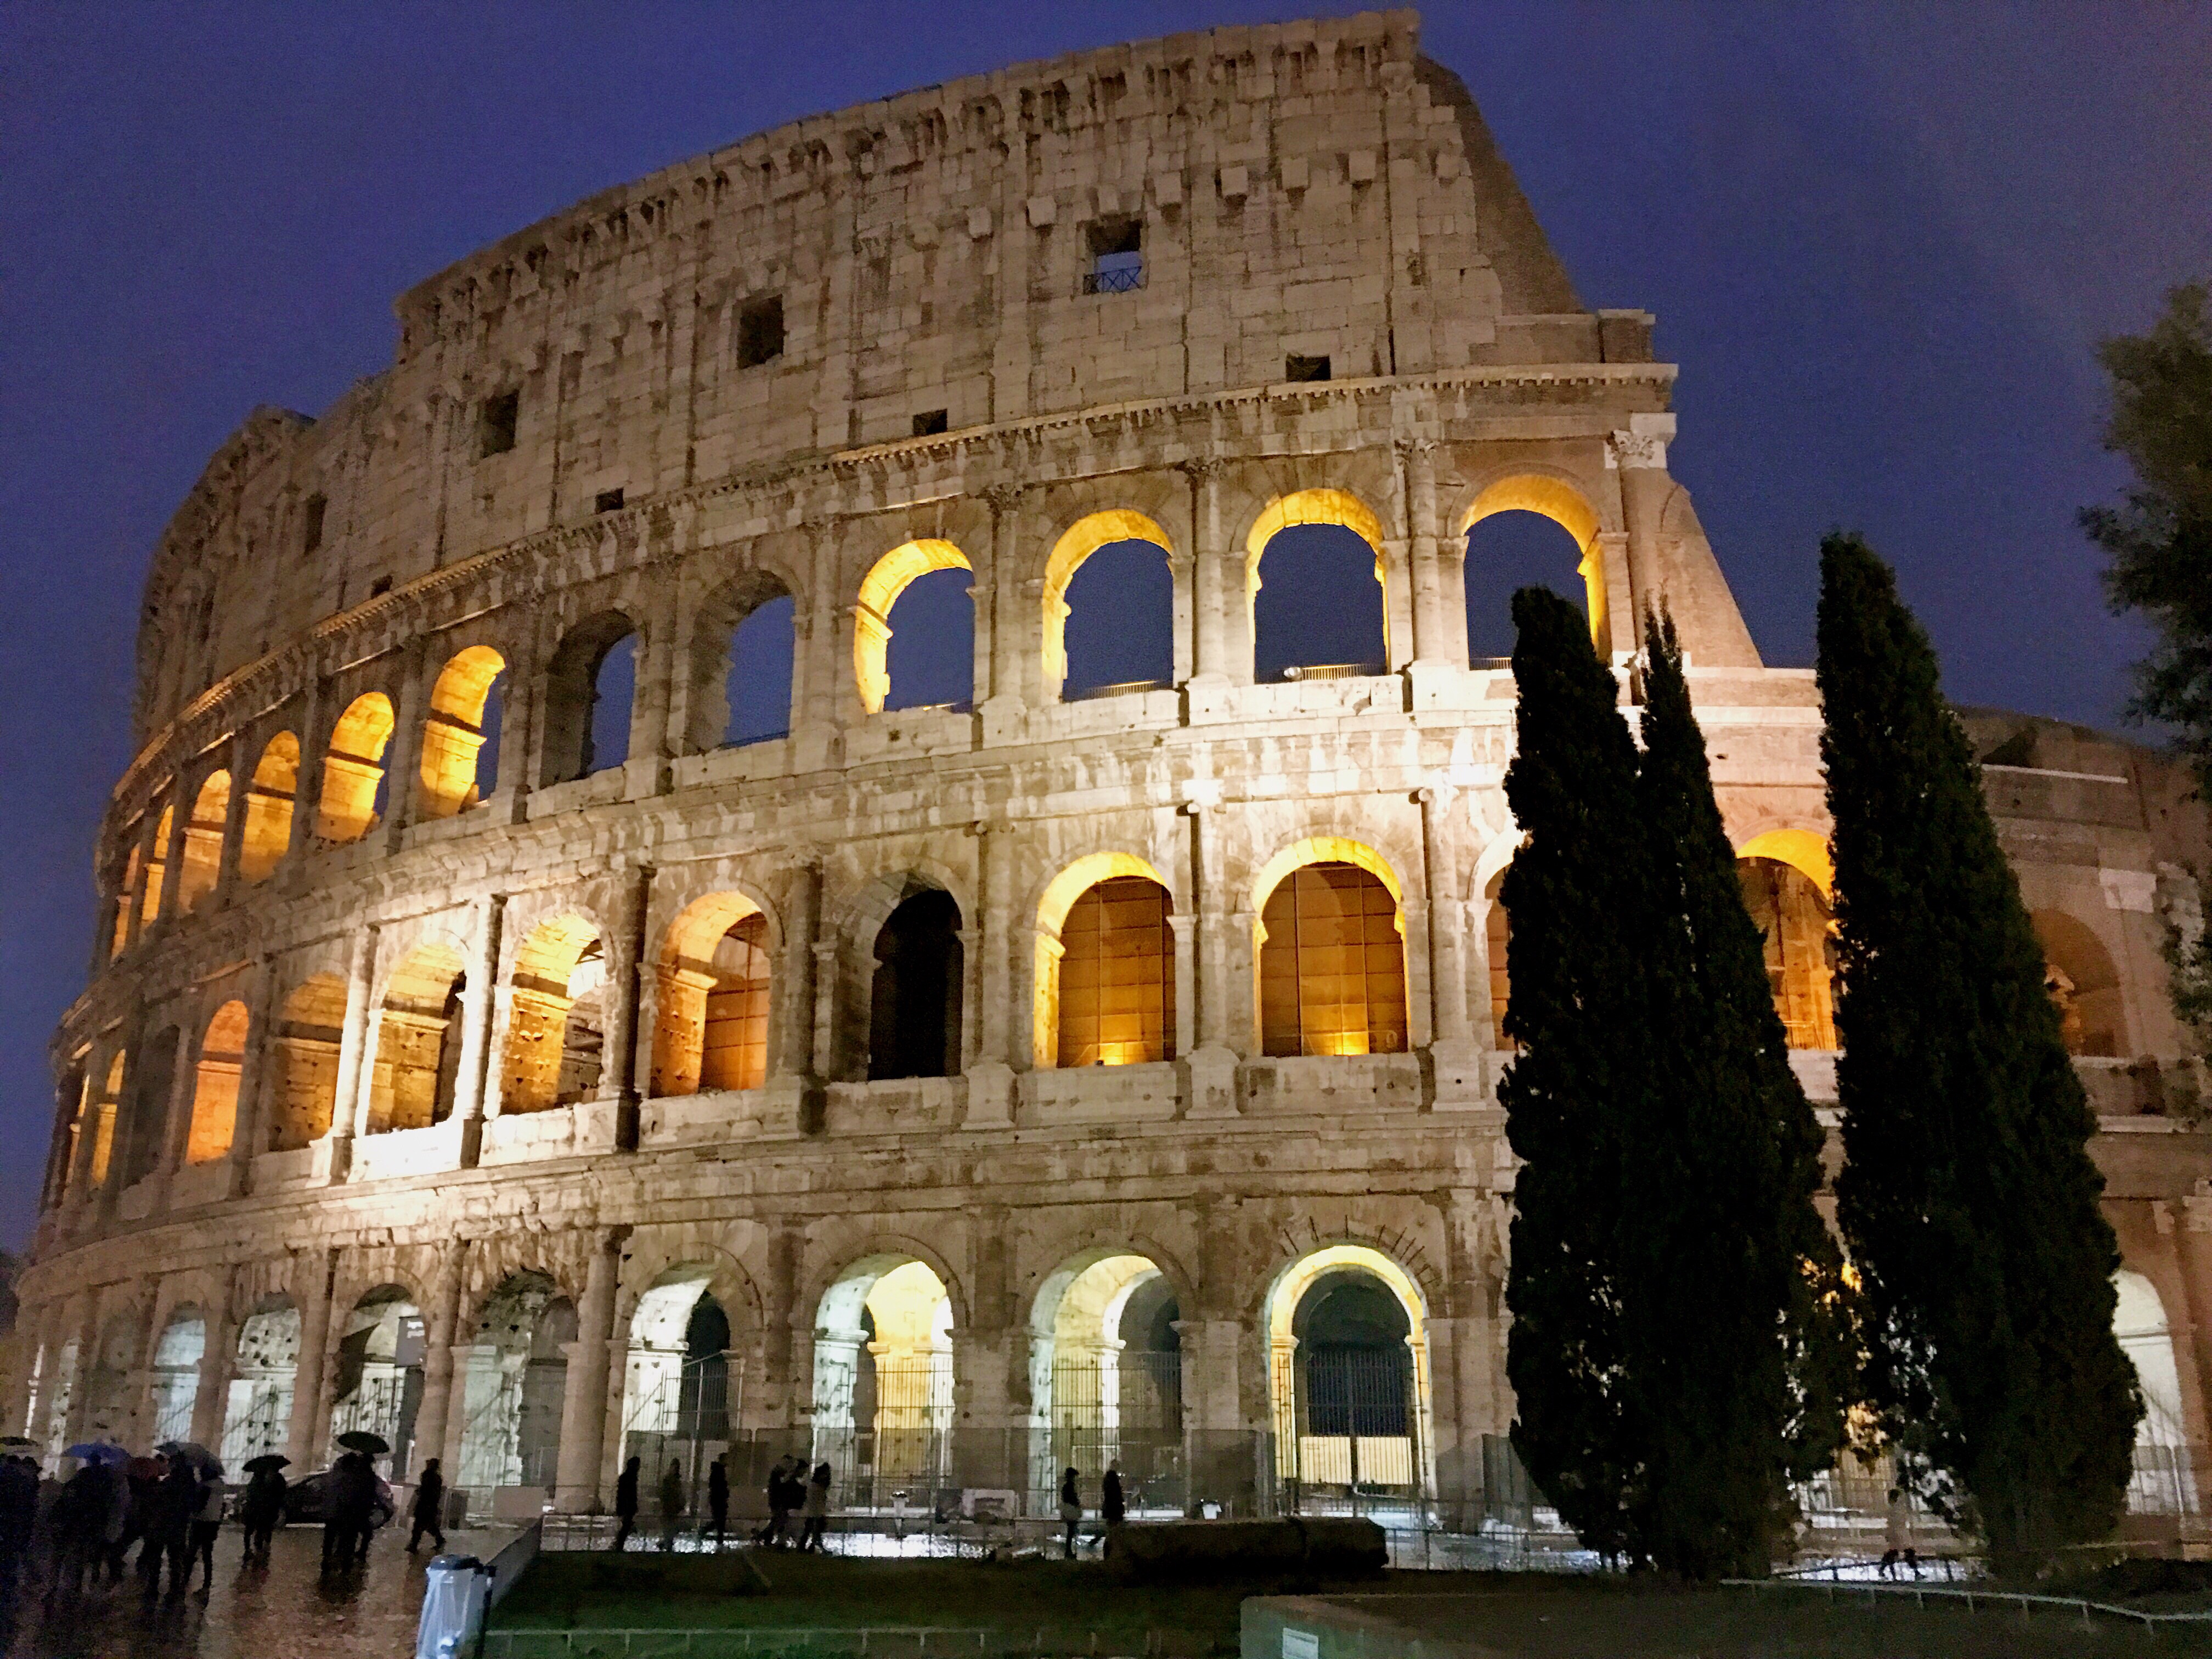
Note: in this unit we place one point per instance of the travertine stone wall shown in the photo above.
(1306, 189)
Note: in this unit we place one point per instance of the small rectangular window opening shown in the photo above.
(930, 422)
(310, 524)
(1117, 257)
(496, 433)
(607, 500)
(760, 330)
(1305, 368)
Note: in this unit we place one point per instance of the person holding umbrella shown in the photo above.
(261, 1508)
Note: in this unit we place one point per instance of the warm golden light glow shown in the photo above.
(1332, 965)
(215, 1090)
(157, 863)
(202, 862)
(710, 1029)
(1562, 504)
(266, 834)
(1800, 849)
(354, 768)
(309, 1030)
(453, 734)
(1080, 540)
(554, 1020)
(1115, 966)
(1796, 930)
(879, 591)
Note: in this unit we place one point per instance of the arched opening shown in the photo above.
(1108, 607)
(1562, 504)
(257, 1415)
(742, 649)
(1106, 1380)
(1497, 938)
(304, 1095)
(1322, 609)
(460, 748)
(377, 1386)
(2084, 987)
(151, 1080)
(711, 1029)
(883, 1381)
(157, 864)
(202, 861)
(677, 1403)
(1790, 910)
(174, 1385)
(1507, 551)
(591, 686)
(126, 900)
(556, 1018)
(935, 664)
(914, 996)
(353, 771)
(2163, 1482)
(215, 1085)
(1105, 966)
(418, 1041)
(1348, 1383)
(1332, 953)
(513, 1379)
(105, 1110)
(266, 834)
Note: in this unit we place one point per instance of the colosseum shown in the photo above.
(569, 986)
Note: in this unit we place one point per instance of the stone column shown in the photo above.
(1221, 1037)
(1222, 650)
(1184, 927)
(350, 1104)
(213, 1395)
(825, 1008)
(647, 771)
(521, 706)
(307, 786)
(1455, 1054)
(2193, 1247)
(441, 1321)
(1217, 1449)
(990, 1072)
(184, 1087)
(816, 671)
(594, 1362)
(249, 1129)
(480, 997)
(1439, 625)
(625, 951)
(793, 1079)
(403, 755)
(136, 1427)
(234, 823)
(311, 1276)
(172, 854)
(1639, 456)
(1008, 681)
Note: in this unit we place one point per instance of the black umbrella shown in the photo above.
(191, 1452)
(361, 1440)
(266, 1461)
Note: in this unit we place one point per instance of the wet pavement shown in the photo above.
(282, 1611)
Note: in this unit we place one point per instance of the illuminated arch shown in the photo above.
(883, 1351)
(556, 1016)
(310, 1029)
(215, 1085)
(354, 768)
(201, 864)
(1323, 1458)
(696, 1044)
(2083, 984)
(1801, 850)
(1060, 897)
(157, 864)
(879, 591)
(1565, 506)
(1316, 904)
(1078, 542)
(266, 835)
(2165, 1481)
(418, 1040)
(453, 733)
(1312, 507)
(1324, 849)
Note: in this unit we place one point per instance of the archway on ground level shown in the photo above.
(556, 1018)
(1332, 952)
(107, 1379)
(377, 1384)
(156, 868)
(710, 1028)
(257, 1415)
(936, 664)
(743, 645)
(1505, 552)
(914, 994)
(1105, 966)
(1562, 504)
(57, 1393)
(1106, 1380)
(2164, 1482)
(1324, 605)
(353, 769)
(416, 1068)
(882, 1380)
(174, 1386)
(1348, 1381)
(1790, 909)
(303, 1093)
(2084, 986)
(215, 1085)
(266, 834)
(1108, 606)
(1497, 938)
(202, 862)
(678, 1402)
(460, 752)
(510, 1384)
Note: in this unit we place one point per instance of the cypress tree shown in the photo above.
(1580, 1015)
(1968, 1199)
(1737, 1339)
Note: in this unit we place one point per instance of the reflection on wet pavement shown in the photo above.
(282, 1611)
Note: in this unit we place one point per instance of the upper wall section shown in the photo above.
(1313, 190)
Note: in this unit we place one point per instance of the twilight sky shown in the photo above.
(1880, 244)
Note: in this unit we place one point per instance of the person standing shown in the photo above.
(816, 1511)
(82, 1519)
(429, 1512)
(261, 1510)
(1070, 1509)
(671, 1504)
(175, 1504)
(1897, 1536)
(718, 1498)
(19, 1511)
(779, 1506)
(1111, 1505)
(626, 1502)
(206, 1523)
(352, 1501)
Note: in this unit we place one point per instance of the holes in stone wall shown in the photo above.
(215, 1085)
(495, 423)
(304, 1091)
(914, 996)
(743, 645)
(461, 750)
(418, 1041)
(1505, 552)
(760, 330)
(265, 834)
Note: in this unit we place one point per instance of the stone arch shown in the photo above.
(454, 731)
(2165, 1481)
(715, 986)
(353, 768)
(266, 835)
(2084, 986)
(556, 1016)
(173, 1387)
(1316, 901)
(1145, 970)
(1105, 1372)
(1788, 882)
(1074, 544)
(156, 868)
(510, 1384)
(679, 1393)
(708, 706)
(214, 1084)
(880, 588)
(264, 1365)
(883, 1357)
(310, 1029)
(572, 694)
(150, 1080)
(1314, 507)
(916, 966)
(380, 1339)
(200, 866)
(414, 1068)
(1553, 495)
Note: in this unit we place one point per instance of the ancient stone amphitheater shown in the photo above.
(560, 996)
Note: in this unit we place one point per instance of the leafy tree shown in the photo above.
(1968, 1199)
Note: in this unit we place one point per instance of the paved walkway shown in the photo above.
(282, 1611)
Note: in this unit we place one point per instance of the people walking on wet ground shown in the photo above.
(353, 1497)
(80, 1520)
(142, 1505)
(1112, 1507)
(1897, 1536)
(816, 1507)
(169, 1526)
(1070, 1509)
(626, 1502)
(261, 1506)
(779, 1506)
(671, 1504)
(429, 1512)
(206, 1524)
(718, 1499)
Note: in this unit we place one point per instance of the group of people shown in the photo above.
(793, 1490)
(1113, 1505)
(790, 1491)
(170, 1506)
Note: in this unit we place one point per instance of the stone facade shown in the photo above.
(464, 1070)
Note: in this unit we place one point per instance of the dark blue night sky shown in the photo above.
(1880, 244)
